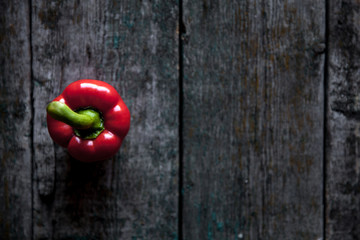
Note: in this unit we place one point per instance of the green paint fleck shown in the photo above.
(220, 226)
(127, 22)
(213, 216)
(137, 238)
(198, 206)
(210, 234)
(116, 42)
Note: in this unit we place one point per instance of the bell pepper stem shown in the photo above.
(60, 111)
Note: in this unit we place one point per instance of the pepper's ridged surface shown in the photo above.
(94, 95)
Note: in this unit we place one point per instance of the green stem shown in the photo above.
(87, 123)
(60, 111)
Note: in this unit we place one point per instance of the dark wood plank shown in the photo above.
(132, 45)
(15, 121)
(253, 119)
(343, 142)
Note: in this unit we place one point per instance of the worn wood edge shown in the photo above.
(15, 122)
(342, 181)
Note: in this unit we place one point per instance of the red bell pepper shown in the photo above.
(90, 119)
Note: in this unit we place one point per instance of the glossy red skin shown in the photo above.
(104, 98)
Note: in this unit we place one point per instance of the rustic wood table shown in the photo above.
(245, 119)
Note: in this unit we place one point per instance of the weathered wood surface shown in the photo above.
(343, 125)
(253, 119)
(15, 121)
(252, 132)
(132, 45)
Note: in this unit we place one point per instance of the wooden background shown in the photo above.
(245, 119)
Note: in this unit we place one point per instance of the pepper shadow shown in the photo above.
(84, 192)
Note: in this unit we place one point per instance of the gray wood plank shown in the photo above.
(15, 121)
(132, 45)
(343, 158)
(253, 119)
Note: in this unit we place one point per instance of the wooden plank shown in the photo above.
(15, 121)
(132, 45)
(343, 156)
(253, 119)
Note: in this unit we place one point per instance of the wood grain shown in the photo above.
(132, 45)
(343, 138)
(253, 119)
(15, 121)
